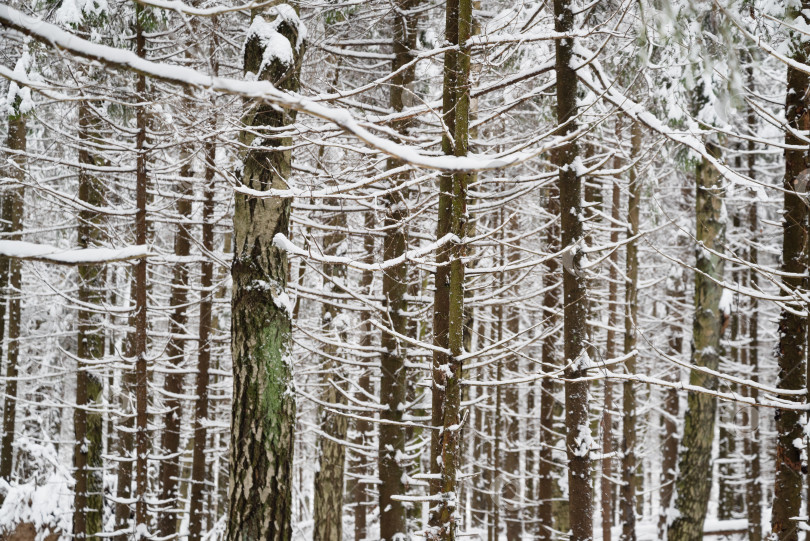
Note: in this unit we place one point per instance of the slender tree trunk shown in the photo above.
(141, 375)
(459, 28)
(263, 418)
(175, 351)
(551, 299)
(575, 332)
(199, 467)
(610, 352)
(669, 438)
(328, 493)
(363, 428)
(87, 423)
(693, 483)
(753, 493)
(629, 478)
(509, 492)
(13, 206)
(393, 379)
(788, 483)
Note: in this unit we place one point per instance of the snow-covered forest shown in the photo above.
(404, 269)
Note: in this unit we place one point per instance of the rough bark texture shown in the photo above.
(393, 379)
(13, 200)
(575, 302)
(788, 483)
(694, 463)
(263, 418)
(628, 486)
(87, 421)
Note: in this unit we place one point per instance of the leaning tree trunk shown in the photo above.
(787, 490)
(393, 377)
(13, 200)
(694, 483)
(263, 418)
(87, 421)
(575, 302)
(629, 477)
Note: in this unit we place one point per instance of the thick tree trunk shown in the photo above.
(13, 206)
(788, 483)
(263, 418)
(628, 486)
(575, 332)
(87, 420)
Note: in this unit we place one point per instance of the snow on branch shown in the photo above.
(264, 90)
(18, 249)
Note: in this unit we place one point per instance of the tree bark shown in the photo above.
(792, 327)
(199, 467)
(693, 482)
(458, 31)
(628, 486)
(393, 378)
(13, 205)
(575, 302)
(87, 420)
(263, 418)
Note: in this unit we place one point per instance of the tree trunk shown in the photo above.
(263, 418)
(175, 351)
(788, 483)
(199, 468)
(454, 211)
(363, 428)
(328, 493)
(694, 482)
(87, 424)
(610, 352)
(141, 375)
(545, 480)
(753, 493)
(628, 486)
(13, 204)
(393, 378)
(575, 332)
